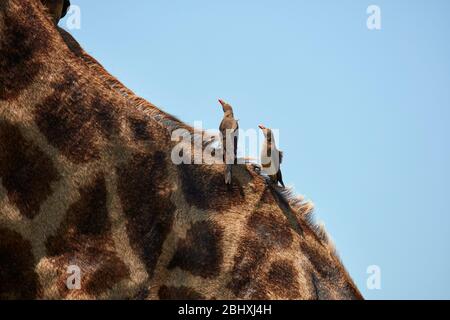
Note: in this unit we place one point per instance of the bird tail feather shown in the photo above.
(280, 178)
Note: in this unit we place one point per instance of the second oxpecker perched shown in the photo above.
(271, 157)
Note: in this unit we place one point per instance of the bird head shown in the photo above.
(226, 107)
(265, 130)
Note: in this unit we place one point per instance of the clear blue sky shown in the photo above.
(364, 115)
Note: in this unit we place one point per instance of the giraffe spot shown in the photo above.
(139, 128)
(86, 221)
(205, 188)
(200, 252)
(269, 224)
(179, 293)
(101, 111)
(18, 279)
(20, 46)
(84, 239)
(247, 263)
(145, 192)
(63, 119)
(267, 230)
(110, 272)
(74, 122)
(282, 280)
(26, 172)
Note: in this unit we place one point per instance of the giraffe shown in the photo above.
(86, 180)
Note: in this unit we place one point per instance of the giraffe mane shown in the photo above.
(304, 211)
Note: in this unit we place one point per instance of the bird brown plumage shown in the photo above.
(271, 157)
(229, 129)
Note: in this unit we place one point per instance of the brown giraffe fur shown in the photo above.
(86, 179)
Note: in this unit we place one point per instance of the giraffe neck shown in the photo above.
(86, 179)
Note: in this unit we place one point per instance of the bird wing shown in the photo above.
(235, 126)
(222, 127)
(228, 124)
(281, 156)
(228, 127)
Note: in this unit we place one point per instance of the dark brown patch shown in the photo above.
(247, 264)
(63, 118)
(269, 223)
(87, 219)
(200, 253)
(74, 122)
(26, 172)
(102, 111)
(18, 280)
(110, 272)
(86, 222)
(282, 280)
(205, 188)
(20, 45)
(145, 191)
(268, 230)
(84, 239)
(180, 293)
(139, 128)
